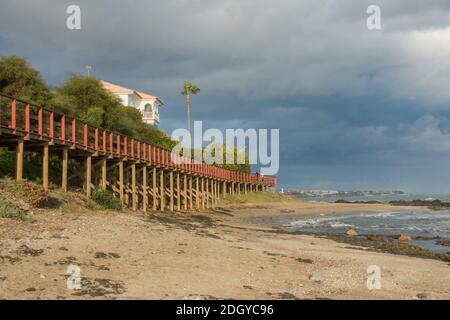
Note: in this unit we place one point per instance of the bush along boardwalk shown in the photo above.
(143, 176)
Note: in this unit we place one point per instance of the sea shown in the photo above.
(414, 222)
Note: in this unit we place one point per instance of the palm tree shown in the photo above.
(189, 89)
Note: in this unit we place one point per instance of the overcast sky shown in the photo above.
(355, 108)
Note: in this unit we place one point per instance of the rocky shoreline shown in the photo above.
(430, 204)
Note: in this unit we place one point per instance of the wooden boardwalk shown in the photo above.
(144, 176)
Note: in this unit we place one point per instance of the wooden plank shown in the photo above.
(19, 160)
(162, 192)
(65, 161)
(190, 193)
(155, 189)
(144, 189)
(178, 187)
(88, 176)
(185, 195)
(197, 192)
(171, 191)
(121, 195)
(134, 195)
(45, 167)
(104, 176)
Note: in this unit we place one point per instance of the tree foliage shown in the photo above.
(189, 88)
(19, 79)
(84, 98)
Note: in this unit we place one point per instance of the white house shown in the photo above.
(147, 104)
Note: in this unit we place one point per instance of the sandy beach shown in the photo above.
(224, 254)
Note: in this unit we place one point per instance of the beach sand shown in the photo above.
(232, 254)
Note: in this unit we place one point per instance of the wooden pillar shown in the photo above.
(213, 193)
(224, 189)
(214, 185)
(144, 189)
(202, 193)
(104, 178)
(65, 168)
(134, 194)
(126, 184)
(190, 193)
(217, 191)
(45, 167)
(88, 175)
(19, 160)
(185, 193)
(162, 192)
(208, 184)
(155, 189)
(171, 191)
(121, 195)
(197, 192)
(178, 187)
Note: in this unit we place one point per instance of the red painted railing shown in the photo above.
(33, 122)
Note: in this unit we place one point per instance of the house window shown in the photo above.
(148, 107)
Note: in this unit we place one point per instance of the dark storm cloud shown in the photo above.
(353, 106)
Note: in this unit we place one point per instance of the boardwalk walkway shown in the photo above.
(144, 176)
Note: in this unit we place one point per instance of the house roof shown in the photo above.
(116, 89)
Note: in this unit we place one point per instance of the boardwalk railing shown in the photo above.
(23, 124)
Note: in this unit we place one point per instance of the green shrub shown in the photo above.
(107, 200)
(9, 211)
(30, 192)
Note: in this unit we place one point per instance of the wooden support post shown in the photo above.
(144, 189)
(45, 167)
(121, 195)
(65, 168)
(171, 191)
(162, 192)
(190, 193)
(211, 193)
(217, 191)
(178, 187)
(104, 178)
(134, 195)
(185, 195)
(19, 160)
(88, 175)
(224, 189)
(214, 193)
(208, 184)
(197, 192)
(155, 189)
(202, 193)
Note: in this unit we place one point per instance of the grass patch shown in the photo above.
(7, 210)
(29, 192)
(106, 199)
(258, 197)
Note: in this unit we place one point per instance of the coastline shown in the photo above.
(219, 254)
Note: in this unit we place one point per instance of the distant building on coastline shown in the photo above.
(146, 103)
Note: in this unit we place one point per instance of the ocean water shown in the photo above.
(414, 223)
(382, 198)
